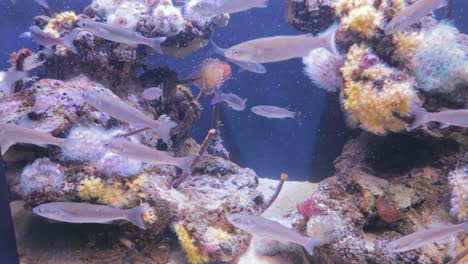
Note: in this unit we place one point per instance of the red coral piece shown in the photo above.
(310, 206)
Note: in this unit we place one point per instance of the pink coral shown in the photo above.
(310, 206)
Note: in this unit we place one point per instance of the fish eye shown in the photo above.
(235, 52)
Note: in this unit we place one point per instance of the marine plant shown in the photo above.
(42, 176)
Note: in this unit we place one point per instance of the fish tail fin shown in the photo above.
(156, 44)
(135, 216)
(68, 40)
(215, 49)
(310, 246)
(420, 117)
(186, 163)
(329, 36)
(5, 144)
(26, 34)
(217, 98)
(164, 126)
(262, 4)
(10, 78)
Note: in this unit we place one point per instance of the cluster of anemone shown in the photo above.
(162, 15)
(42, 176)
(110, 193)
(375, 96)
(440, 62)
(360, 16)
(458, 180)
(323, 68)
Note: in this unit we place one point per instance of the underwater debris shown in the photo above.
(431, 235)
(446, 118)
(270, 111)
(269, 229)
(12, 134)
(280, 48)
(89, 213)
(411, 14)
(459, 202)
(375, 95)
(42, 176)
(323, 68)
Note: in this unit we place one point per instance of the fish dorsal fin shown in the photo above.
(5, 144)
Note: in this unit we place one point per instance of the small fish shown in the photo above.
(46, 40)
(269, 229)
(248, 66)
(11, 134)
(431, 235)
(122, 111)
(152, 93)
(270, 111)
(8, 79)
(234, 101)
(89, 213)
(143, 153)
(445, 117)
(280, 48)
(217, 7)
(412, 14)
(121, 35)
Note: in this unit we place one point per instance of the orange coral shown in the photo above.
(212, 75)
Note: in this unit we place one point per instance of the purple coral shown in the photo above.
(310, 206)
(368, 61)
(41, 176)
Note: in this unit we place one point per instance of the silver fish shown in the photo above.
(234, 101)
(445, 117)
(122, 111)
(249, 66)
(8, 80)
(431, 235)
(270, 111)
(152, 93)
(217, 7)
(143, 153)
(269, 229)
(47, 40)
(89, 213)
(11, 134)
(412, 14)
(280, 48)
(121, 35)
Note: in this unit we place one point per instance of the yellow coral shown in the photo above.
(192, 252)
(218, 234)
(405, 45)
(344, 6)
(61, 23)
(90, 188)
(111, 194)
(149, 214)
(139, 185)
(364, 20)
(371, 98)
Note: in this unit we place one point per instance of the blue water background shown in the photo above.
(304, 148)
